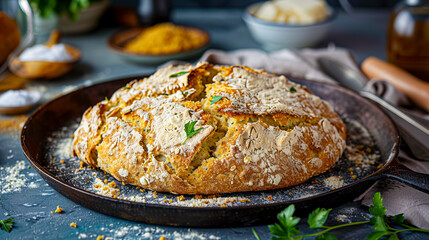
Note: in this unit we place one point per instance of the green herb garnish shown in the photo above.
(126, 87)
(178, 74)
(292, 89)
(285, 228)
(215, 99)
(106, 98)
(185, 93)
(6, 224)
(189, 129)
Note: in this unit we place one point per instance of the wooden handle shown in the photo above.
(54, 38)
(416, 89)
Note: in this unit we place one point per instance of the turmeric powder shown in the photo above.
(12, 125)
(166, 38)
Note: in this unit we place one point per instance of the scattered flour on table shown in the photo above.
(12, 179)
(40, 52)
(107, 190)
(152, 233)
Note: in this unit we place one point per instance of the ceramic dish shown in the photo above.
(46, 141)
(117, 41)
(42, 69)
(274, 35)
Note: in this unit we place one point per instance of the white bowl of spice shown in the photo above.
(289, 23)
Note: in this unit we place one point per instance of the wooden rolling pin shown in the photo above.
(415, 89)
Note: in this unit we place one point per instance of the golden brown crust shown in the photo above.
(264, 133)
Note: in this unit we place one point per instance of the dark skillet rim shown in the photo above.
(42, 170)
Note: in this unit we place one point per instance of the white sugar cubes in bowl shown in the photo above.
(280, 24)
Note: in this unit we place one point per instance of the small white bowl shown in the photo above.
(274, 35)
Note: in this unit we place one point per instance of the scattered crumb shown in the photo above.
(58, 210)
(100, 237)
(181, 198)
(73, 224)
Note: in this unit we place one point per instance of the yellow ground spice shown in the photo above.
(166, 38)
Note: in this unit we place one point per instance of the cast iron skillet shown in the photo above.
(52, 115)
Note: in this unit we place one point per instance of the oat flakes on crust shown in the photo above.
(263, 132)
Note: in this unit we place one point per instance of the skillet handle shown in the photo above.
(399, 172)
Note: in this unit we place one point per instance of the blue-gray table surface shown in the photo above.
(363, 33)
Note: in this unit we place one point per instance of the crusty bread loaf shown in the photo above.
(254, 131)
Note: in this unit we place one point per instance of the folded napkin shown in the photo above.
(398, 198)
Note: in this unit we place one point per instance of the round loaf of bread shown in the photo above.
(211, 129)
(9, 36)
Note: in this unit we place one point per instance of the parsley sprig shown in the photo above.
(184, 93)
(6, 224)
(189, 129)
(178, 74)
(292, 89)
(286, 230)
(215, 99)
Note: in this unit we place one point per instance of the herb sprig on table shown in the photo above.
(6, 224)
(285, 229)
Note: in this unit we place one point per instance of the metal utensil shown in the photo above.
(414, 134)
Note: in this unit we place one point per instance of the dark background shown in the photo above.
(244, 3)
